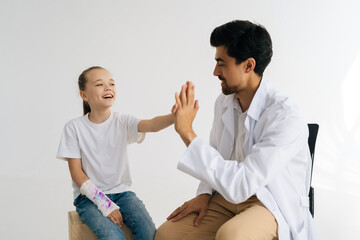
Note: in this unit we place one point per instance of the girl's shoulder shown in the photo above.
(124, 118)
(75, 122)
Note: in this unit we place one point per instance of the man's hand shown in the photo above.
(116, 217)
(185, 111)
(198, 204)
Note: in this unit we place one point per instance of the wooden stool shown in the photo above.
(80, 231)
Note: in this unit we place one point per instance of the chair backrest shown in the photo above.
(313, 131)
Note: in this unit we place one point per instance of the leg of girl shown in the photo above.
(135, 215)
(102, 226)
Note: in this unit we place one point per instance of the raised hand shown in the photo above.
(185, 111)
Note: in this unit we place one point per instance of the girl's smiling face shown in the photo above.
(100, 90)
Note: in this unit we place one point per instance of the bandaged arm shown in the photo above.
(104, 204)
(89, 189)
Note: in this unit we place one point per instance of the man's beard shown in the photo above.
(225, 88)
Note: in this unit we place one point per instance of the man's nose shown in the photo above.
(216, 71)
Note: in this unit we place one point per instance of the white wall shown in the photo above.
(151, 48)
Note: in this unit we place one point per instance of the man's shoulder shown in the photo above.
(279, 102)
(281, 108)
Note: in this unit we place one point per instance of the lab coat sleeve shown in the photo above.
(203, 187)
(236, 182)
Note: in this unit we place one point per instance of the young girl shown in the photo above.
(95, 146)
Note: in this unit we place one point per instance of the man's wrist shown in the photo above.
(208, 195)
(205, 197)
(188, 137)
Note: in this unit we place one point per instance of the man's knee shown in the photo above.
(227, 232)
(242, 232)
(172, 230)
(162, 233)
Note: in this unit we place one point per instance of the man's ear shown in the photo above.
(250, 65)
(83, 96)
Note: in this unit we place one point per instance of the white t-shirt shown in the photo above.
(102, 148)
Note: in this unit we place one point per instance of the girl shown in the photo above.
(95, 146)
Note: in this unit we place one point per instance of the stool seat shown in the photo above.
(78, 230)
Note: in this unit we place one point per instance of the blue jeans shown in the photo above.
(133, 211)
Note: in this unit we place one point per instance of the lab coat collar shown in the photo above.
(257, 105)
(255, 110)
(228, 115)
(230, 101)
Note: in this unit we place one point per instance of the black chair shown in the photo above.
(313, 131)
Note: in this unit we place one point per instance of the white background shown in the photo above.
(151, 48)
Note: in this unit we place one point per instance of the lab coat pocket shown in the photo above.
(303, 229)
(302, 234)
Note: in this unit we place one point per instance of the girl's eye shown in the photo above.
(99, 85)
(113, 84)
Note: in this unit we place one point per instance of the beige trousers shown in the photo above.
(224, 221)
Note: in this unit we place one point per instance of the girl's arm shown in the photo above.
(76, 172)
(87, 187)
(156, 124)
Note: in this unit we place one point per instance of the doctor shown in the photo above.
(255, 174)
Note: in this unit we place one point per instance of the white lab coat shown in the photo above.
(277, 166)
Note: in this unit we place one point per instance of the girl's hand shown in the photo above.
(173, 110)
(116, 217)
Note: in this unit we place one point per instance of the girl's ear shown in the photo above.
(83, 96)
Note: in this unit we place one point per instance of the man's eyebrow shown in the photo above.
(219, 59)
(100, 80)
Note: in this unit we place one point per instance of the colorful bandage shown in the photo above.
(104, 204)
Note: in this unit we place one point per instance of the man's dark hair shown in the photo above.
(243, 40)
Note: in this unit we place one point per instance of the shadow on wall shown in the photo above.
(337, 161)
(349, 163)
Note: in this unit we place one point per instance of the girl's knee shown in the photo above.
(113, 234)
(147, 233)
(103, 227)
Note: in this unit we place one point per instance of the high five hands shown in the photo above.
(184, 112)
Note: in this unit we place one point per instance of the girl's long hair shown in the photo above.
(82, 82)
